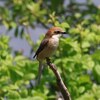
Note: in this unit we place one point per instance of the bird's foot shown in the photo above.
(48, 60)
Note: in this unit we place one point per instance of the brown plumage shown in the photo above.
(48, 46)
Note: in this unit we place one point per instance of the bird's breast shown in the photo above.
(53, 43)
(49, 49)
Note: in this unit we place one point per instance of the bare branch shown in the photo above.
(60, 83)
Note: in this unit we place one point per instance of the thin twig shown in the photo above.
(60, 83)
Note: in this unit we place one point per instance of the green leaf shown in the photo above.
(77, 15)
(84, 79)
(86, 96)
(39, 95)
(65, 25)
(81, 89)
(29, 76)
(57, 23)
(6, 24)
(96, 71)
(23, 92)
(13, 95)
(19, 58)
(96, 55)
(85, 44)
(12, 24)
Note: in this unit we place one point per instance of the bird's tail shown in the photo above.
(40, 69)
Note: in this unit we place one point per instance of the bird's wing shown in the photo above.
(41, 47)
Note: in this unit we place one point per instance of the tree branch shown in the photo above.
(60, 83)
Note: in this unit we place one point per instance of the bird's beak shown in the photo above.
(64, 33)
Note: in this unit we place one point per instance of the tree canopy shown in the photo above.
(77, 59)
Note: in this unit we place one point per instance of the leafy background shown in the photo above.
(77, 58)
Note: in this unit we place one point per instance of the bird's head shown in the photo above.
(55, 31)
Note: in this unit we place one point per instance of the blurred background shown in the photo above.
(23, 24)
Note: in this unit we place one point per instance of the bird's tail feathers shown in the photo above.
(40, 69)
(34, 56)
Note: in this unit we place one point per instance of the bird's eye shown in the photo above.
(57, 32)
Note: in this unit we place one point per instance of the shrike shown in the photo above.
(48, 46)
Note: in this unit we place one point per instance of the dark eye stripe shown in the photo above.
(57, 32)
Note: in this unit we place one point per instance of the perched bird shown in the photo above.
(48, 46)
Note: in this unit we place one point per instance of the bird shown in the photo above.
(47, 47)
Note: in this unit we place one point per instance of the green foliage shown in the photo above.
(16, 73)
(78, 57)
